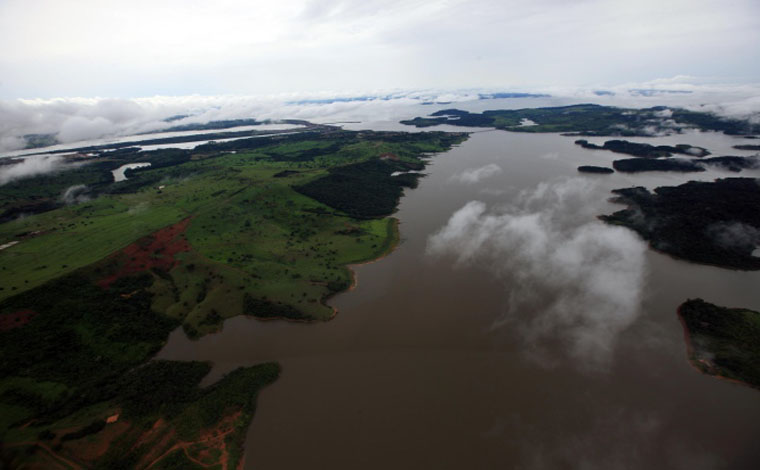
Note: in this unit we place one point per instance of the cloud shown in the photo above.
(78, 119)
(146, 47)
(75, 194)
(568, 281)
(732, 235)
(475, 175)
(29, 167)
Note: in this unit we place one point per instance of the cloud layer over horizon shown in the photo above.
(79, 119)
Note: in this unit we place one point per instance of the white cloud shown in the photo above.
(30, 167)
(567, 280)
(75, 119)
(475, 175)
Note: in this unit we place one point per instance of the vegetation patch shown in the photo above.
(713, 223)
(98, 284)
(638, 165)
(361, 190)
(645, 150)
(721, 341)
(595, 169)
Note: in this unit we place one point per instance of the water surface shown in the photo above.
(413, 373)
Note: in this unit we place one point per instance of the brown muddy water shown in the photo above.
(418, 370)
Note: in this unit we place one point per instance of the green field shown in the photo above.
(91, 291)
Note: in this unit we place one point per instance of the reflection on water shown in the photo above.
(413, 373)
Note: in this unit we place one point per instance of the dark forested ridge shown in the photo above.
(715, 223)
(362, 190)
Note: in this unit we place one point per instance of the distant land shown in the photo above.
(364, 98)
(589, 120)
(714, 223)
(723, 342)
(158, 140)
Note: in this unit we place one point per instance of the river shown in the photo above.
(429, 363)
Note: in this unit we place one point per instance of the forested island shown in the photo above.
(595, 169)
(714, 223)
(590, 120)
(729, 163)
(723, 342)
(91, 286)
(645, 150)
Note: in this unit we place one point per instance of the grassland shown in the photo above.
(92, 289)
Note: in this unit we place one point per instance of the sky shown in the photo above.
(117, 49)
(86, 69)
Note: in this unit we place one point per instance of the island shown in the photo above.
(637, 165)
(747, 147)
(723, 342)
(729, 163)
(715, 223)
(595, 169)
(645, 150)
(92, 285)
(590, 120)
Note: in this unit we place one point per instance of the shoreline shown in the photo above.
(395, 241)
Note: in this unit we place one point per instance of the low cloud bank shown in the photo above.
(475, 175)
(570, 282)
(29, 167)
(77, 119)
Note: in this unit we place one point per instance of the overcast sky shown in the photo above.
(87, 48)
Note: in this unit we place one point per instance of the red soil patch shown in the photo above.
(389, 156)
(89, 450)
(154, 251)
(16, 319)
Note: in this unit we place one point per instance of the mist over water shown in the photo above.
(510, 329)
(567, 279)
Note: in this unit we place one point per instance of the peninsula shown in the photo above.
(92, 285)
